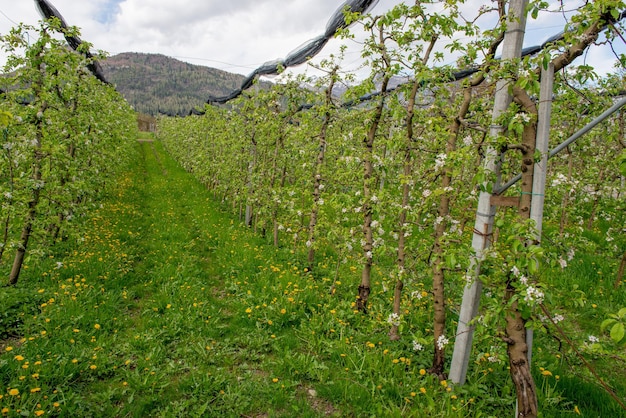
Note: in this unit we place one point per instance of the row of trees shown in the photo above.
(64, 135)
(394, 181)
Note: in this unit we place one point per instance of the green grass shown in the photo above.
(169, 307)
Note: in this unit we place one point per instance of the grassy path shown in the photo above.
(136, 322)
(170, 308)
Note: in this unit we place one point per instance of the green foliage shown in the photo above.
(615, 324)
(64, 136)
(164, 299)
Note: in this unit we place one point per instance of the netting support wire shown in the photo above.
(569, 141)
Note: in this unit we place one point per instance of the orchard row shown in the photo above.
(64, 136)
(393, 181)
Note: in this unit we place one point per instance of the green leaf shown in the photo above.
(607, 323)
(451, 261)
(5, 118)
(617, 332)
(622, 313)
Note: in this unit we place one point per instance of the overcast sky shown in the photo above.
(234, 35)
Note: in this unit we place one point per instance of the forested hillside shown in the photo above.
(155, 84)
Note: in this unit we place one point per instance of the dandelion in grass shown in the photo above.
(14, 392)
(39, 412)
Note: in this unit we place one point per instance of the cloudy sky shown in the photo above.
(235, 35)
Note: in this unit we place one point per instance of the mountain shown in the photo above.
(155, 84)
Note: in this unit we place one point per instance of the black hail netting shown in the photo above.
(299, 55)
(49, 11)
(304, 52)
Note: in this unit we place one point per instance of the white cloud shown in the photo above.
(235, 35)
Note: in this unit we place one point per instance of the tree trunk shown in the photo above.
(515, 324)
(368, 172)
(251, 167)
(32, 212)
(620, 271)
(439, 297)
(317, 172)
(596, 200)
(36, 177)
(566, 195)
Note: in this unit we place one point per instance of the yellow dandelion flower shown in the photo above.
(546, 373)
(423, 390)
(74, 361)
(9, 348)
(39, 412)
(443, 383)
(422, 372)
(93, 367)
(283, 311)
(413, 394)
(56, 404)
(395, 361)
(576, 409)
(97, 326)
(35, 390)
(19, 357)
(14, 392)
(248, 310)
(275, 380)
(5, 410)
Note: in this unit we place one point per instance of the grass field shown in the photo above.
(169, 307)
